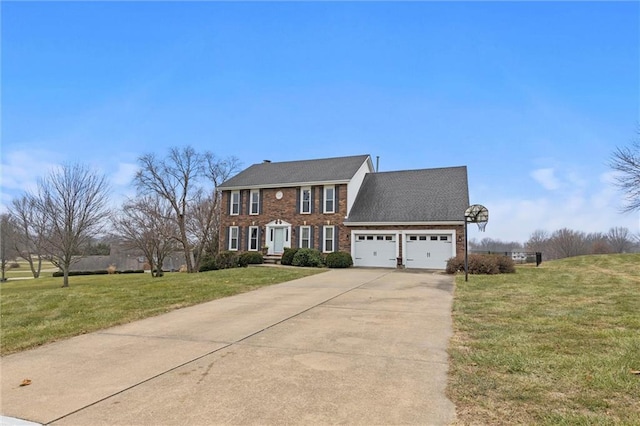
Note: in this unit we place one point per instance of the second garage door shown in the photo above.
(375, 250)
(428, 251)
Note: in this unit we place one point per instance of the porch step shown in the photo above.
(272, 258)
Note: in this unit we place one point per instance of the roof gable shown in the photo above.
(426, 195)
(289, 173)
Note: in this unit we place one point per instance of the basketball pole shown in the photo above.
(466, 250)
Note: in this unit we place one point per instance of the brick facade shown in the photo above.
(286, 209)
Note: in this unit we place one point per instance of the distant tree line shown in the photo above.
(565, 243)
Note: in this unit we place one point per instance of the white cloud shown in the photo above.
(592, 204)
(546, 178)
(124, 174)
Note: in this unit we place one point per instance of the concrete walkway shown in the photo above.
(355, 346)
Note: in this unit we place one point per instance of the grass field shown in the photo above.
(553, 345)
(35, 312)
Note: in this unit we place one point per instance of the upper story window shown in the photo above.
(305, 200)
(255, 202)
(330, 199)
(235, 203)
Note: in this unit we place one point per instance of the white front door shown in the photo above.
(278, 240)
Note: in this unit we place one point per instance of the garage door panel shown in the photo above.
(428, 251)
(375, 250)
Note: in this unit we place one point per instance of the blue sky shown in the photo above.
(532, 97)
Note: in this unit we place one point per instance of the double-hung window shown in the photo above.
(255, 202)
(328, 239)
(329, 199)
(234, 237)
(253, 238)
(305, 237)
(305, 200)
(235, 203)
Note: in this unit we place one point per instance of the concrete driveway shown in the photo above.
(354, 346)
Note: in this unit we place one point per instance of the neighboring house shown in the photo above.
(412, 218)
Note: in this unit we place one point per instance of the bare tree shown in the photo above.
(567, 243)
(626, 161)
(620, 239)
(146, 224)
(175, 180)
(7, 237)
(30, 230)
(539, 242)
(72, 201)
(204, 223)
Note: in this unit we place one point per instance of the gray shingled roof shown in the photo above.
(297, 172)
(412, 196)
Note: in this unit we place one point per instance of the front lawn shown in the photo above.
(35, 312)
(550, 345)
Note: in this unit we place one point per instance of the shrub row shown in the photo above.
(98, 272)
(231, 259)
(314, 258)
(487, 264)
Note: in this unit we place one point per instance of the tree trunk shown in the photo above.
(185, 244)
(65, 278)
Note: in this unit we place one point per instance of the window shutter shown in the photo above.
(228, 201)
(311, 228)
(321, 238)
(227, 238)
(298, 200)
(248, 201)
(248, 237)
(240, 202)
(259, 234)
(312, 198)
(335, 238)
(239, 238)
(260, 202)
(336, 204)
(321, 196)
(296, 243)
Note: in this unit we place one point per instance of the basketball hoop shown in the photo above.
(477, 214)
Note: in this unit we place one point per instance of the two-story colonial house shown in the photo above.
(412, 218)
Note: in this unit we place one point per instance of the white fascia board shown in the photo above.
(284, 185)
(444, 222)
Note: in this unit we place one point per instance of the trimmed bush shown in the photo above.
(76, 273)
(208, 264)
(251, 258)
(339, 259)
(227, 259)
(307, 257)
(287, 256)
(487, 264)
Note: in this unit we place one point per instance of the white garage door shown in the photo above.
(375, 250)
(428, 251)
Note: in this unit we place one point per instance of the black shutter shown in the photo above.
(298, 200)
(229, 194)
(296, 241)
(259, 245)
(312, 198)
(226, 239)
(260, 202)
(248, 201)
(335, 238)
(240, 202)
(321, 238)
(311, 240)
(248, 238)
(321, 196)
(336, 204)
(239, 238)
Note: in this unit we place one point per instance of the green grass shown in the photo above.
(35, 312)
(549, 346)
